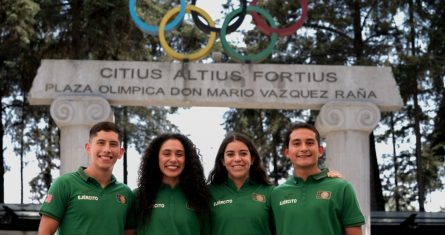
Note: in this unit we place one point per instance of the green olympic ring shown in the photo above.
(248, 58)
(178, 12)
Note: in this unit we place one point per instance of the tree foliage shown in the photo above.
(408, 36)
(16, 31)
(92, 30)
(420, 78)
(405, 35)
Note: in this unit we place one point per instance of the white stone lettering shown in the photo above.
(230, 92)
(68, 88)
(263, 86)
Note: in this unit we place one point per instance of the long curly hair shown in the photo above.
(257, 173)
(192, 179)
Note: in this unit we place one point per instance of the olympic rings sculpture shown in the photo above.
(267, 27)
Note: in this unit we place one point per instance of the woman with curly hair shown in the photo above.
(240, 190)
(172, 196)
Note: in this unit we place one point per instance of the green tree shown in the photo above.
(418, 75)
(436, 52)
(351, 33)
(370, 33)
(16, 31)
(99, 30)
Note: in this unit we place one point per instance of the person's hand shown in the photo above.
(334, 174)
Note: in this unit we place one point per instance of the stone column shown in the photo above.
(346, 127)
(75, 115)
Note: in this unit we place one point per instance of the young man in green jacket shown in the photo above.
(310, 202)
(90, 200)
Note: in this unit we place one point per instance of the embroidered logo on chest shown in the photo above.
(258, 197)
(121, 199)
(323, 195)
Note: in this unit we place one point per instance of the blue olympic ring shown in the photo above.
(267, 27)
(151, 29)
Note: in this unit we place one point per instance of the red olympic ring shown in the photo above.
(258, 20)
(266, 29)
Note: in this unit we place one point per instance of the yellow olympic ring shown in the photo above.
(190, 57)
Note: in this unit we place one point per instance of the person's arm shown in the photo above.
(48, 225)
(353, 231)
(130, 232)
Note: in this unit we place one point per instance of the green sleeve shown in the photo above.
(351, 213)
(56, 200)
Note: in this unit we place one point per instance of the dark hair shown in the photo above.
(192, 179)
(105, 126)
(300, 125)
(219, 174)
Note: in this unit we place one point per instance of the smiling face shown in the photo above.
(303, 150)
(237, 160)
(171, 161)
(104, 150)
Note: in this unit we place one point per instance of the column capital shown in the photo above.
(343, 116)
(80, 110)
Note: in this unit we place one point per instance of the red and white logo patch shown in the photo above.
(49, 198)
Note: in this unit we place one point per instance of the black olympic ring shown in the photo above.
(230, 29)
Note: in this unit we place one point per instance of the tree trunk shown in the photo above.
(396, 166)
(275, 167)
(377, 200)
(2, 159)
(125, 145)
(22, 143)
(419, 161)
(417, 112)
(76, 36)
(358, 39)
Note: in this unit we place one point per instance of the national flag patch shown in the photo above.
(324, 195)
(49, 198)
